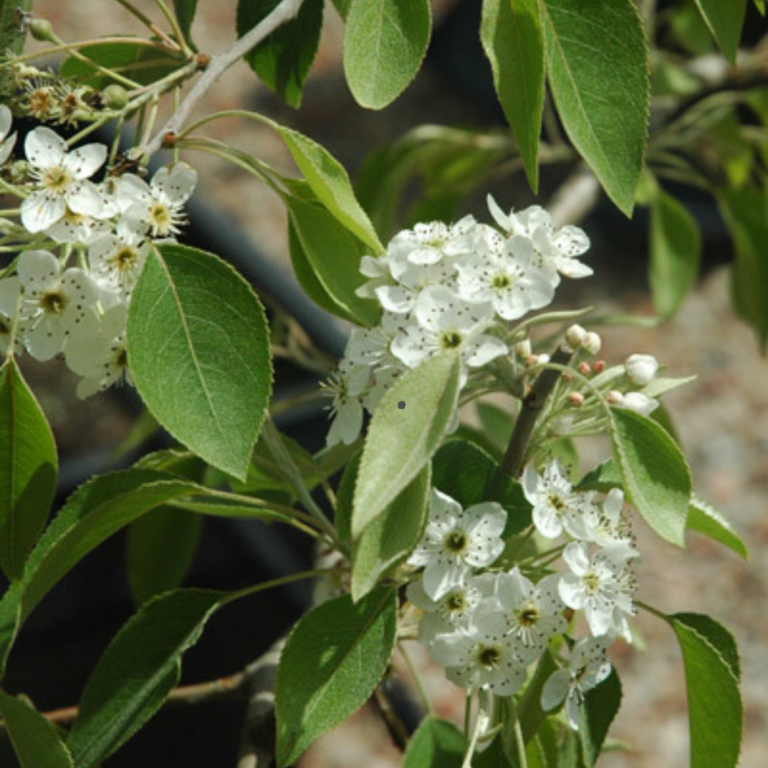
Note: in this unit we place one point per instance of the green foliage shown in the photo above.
(595, 48)
(712, 674)
(389, 539)
(675, 253)
(139, 63)
(185, 15)
(704, 518)
(530, 712)
(35, 740)
(332, 256)
(12, 36)
(201, 364)
(283, 60)
(601, 704)
(654, 472)
(513, 40)
(319, 684)
(160, 550)
(327, 178)
(136, 672)
(91, 515)
(384, 45)
(724, 18)
(28, 467)
(744, 211)
(400, 442)
(436, 744)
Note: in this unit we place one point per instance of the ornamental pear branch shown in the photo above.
(282, 14)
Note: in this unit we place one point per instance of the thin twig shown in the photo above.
(283, 13)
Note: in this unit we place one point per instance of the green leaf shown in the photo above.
(675, 253)
(344, 500)
(600, 706)
(320, 684)
(140, 63)
(136, 672)
(745, 213)
(530, 711)
(28, 467)
(389, 539)
(704, 518)
(597, 62)
(401, 441)
(497, 423)
(760, 5)
(160, 550)
(464, 471)
(725, 19)
(185, 15)
(327, 178)
(333, 255)
(384, 44)
(283, 60)
(715, 711)
(35, 740)
(654, 472)
(436, 744)
(513, 41)
(13, 35)
(91, 515)
(198, 347)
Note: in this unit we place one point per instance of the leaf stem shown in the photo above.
(522, 759)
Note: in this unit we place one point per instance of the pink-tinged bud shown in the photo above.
(531, 360)
(592, 343)
(576, 399)
(641, 369)
(585, 368)
(575, 336)
(568, 377)
(598, 366)
(614, 397)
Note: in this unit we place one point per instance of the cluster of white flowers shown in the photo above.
(486, 625)
(450, 287)
(48, 306)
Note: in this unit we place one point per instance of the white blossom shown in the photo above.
(556, 506)
(641, 369)
(502, 272)
(7, 142)
(595, 585)
(558, 250)
(61, 179)
(533, 613)
(98, 352)
(159, 204)
(603, 524)
(346, 386)
(587, 668)
(54, 303)
(430, 243)
(116, 260)
(456, 541)
(481, 656)
(640, 403)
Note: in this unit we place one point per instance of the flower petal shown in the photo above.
(44, 148)
(555, 689)
(38, 270)
(175, 185)
(84, 197)
(83, 162)
(41, 210)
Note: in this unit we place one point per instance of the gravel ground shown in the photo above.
(722, 418)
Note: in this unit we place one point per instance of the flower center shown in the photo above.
(40, 102)
(556, 502)
(528, 616)
(591, 581)
(125, 259)
(455, 602)
(500, 282)
(450, 340)
(56, 179)
(53, 302)
(160, 216)
(456, 541)
(489, 655)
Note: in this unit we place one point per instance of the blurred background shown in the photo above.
(721, 418)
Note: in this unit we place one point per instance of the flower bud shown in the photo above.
(641, 369)
(523, 348)
(592, 343)
(585, 368)
(598, 366)
(636, 401)
(115, 96)
(41, 29)
(575, 336)
(614, 397)
(575, 399)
